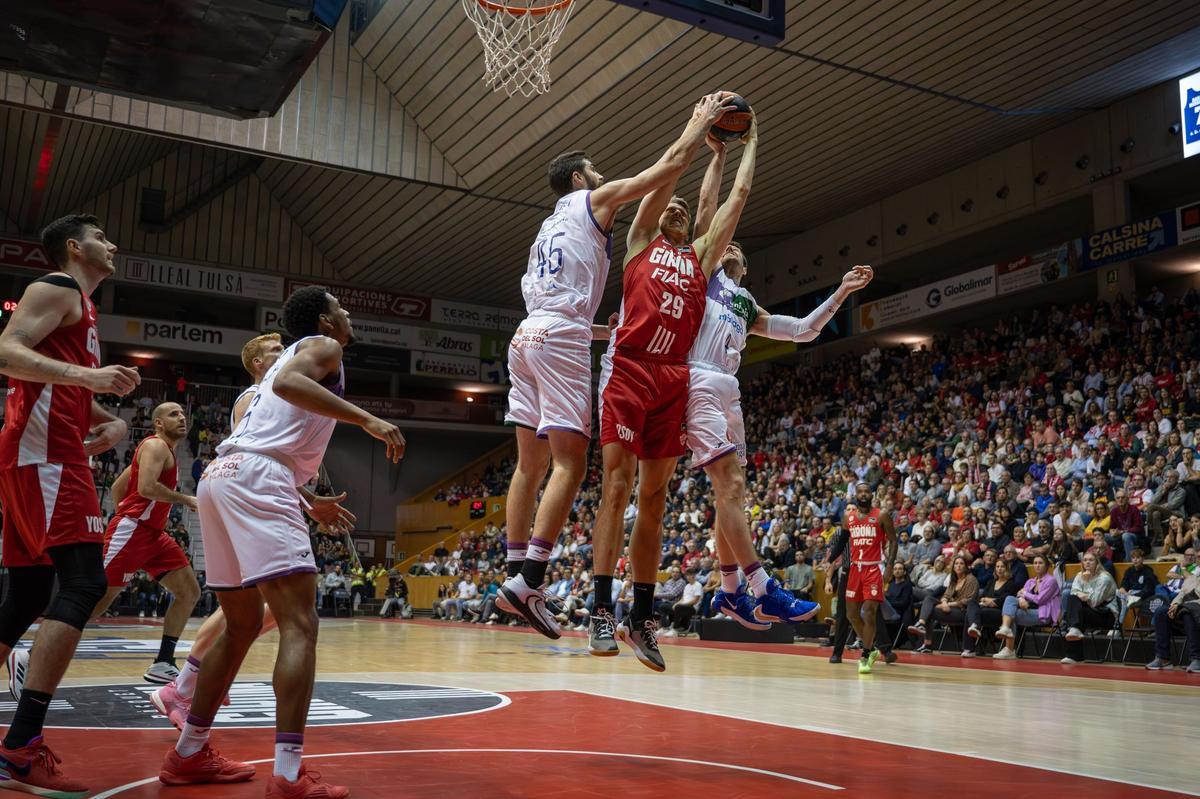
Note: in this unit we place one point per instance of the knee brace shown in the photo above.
(81, 583)
(29, 589)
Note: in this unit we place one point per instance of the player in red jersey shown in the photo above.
(50, 353)
(643, 393)
(136, 537)
(870, 569)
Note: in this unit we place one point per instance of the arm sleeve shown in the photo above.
(789, 328)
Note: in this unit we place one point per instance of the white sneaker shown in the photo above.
(968, 653)
(974, 631)
(1074, 634)
(1114, 633)
(18, 665)
(1005, 632)
(1068, 661)
(142, 614)
(1132, 600)
(1005, 654)
(161, 673)
(530, 604)
(670, 632)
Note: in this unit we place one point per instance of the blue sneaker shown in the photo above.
(778, 604)
(739, 606)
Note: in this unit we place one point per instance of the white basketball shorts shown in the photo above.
(550, 368)
(251, 522)
(714, 417)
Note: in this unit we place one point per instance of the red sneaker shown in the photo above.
(168, 702)
(34, 769)
(308, 785)
(207, 765)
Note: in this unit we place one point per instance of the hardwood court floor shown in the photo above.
(430, 709)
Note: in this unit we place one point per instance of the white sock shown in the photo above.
(729, 579)
(194, 736)
(185, 683)
(289, 747)
(757, 578)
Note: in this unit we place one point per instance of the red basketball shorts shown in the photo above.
(48, 505)
(643, 406)
(865, 583)
(130, 545)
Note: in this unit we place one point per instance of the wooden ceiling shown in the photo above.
(864, 98)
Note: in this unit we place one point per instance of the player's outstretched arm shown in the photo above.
(789, 328)
(608, 198)
(654, 201)
(712, 244)
(151, 457)
(299, 382)
(710, 188)
(43, 309)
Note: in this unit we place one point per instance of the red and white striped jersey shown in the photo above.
(147, 511)
(46, 423)
(662, 302)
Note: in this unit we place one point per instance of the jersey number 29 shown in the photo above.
(672, 304)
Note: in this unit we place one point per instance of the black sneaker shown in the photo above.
(603, 629)
(643, 639)
(835, 658)
(890, 657)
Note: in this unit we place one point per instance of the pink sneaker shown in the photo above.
(168, 702)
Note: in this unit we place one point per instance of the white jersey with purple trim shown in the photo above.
(729, 311)
(568, 262)
(274, 427)
(251, 390)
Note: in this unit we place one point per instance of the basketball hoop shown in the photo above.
(518, 38)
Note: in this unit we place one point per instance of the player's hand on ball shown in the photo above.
(752, 134)
(389, 434)
(329, 512)
(105, 436)
(711, 107)
(715, 144)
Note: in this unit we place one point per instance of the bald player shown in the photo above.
(136, 537)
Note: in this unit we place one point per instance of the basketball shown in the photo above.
(734, 123)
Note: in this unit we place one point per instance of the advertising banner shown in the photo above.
(172, 335)
(376, 302)
(931, 298)
(23, 254)
(1039, 268)
(1188, 218)
(482, 316)
(390, 334)
(1132, 240)
(194, 277)
(435, 364)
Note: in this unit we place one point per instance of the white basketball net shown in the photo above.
(518, 39)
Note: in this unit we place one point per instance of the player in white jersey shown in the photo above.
(257, 547)
(175, 699)
(715, 428)
(550, 401)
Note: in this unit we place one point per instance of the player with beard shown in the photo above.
(550, 401)
(50, 352)
(643, 393)
(257, 547)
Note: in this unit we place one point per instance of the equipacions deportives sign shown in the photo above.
(252, 704)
